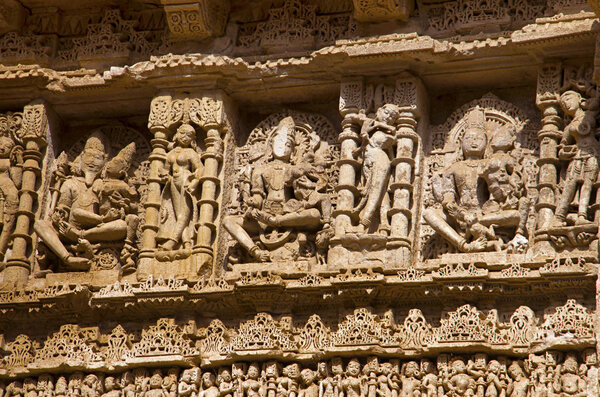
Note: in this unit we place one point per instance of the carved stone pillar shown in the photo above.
(34, 130)
(167, 114)
(549, 80)
(408, 94)
(351, 98)
(158, 123)
(212, 121)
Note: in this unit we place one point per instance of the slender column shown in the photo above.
(407, 96)
(209, 114)
(158, 123)
(549, 80)
(351, 96)
(34, 131)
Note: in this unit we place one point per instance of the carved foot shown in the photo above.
(168, 245)
(75, 263)
(582, 220)
(260, 255)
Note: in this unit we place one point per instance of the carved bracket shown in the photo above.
(196, 19)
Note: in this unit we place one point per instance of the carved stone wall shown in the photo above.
(284, 198)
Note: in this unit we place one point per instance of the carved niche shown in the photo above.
(282, 202)
(379, 146)
(93, 213)
(574, 222)
(480, 181)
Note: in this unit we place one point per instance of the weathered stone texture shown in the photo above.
(350, 198)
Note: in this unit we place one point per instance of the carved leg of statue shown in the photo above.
(560, 214)
(501, 218)
(376, 189)
(438, 220)
(49, 236)
(237, 226)
(11, 204)
(308, 218)
(384, 223)
(585, 193)
(182, 205)
(110, 231)
(7, 228)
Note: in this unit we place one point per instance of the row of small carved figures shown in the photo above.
(552, 373)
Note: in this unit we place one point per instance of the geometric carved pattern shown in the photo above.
(164, 338)
(69, 344)
(570, 319)
(262, 333)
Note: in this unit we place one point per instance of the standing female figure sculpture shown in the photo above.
(181, 176)
(581, 148)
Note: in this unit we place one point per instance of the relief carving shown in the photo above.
(575, 222)
(566, 374)
(379, 144)
(286, 190)
(480, 202)
(94, 215)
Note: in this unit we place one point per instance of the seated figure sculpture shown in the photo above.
(86, 213)
(479, 191)
(283, 196)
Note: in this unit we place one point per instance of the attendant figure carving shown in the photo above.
(376, 151)
(11, 161)
(181, 178)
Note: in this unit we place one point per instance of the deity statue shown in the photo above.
(352, 385)
(225, 382)
(430, 382)
(181, 178)
(111, 388)
(567, 381)
(411, 384)
(581, 149)
(520, 383)
(251, 384)
(155, 384)
(480, 195)
(308, 388)
(95, 206)
(459, 383)
(187, 386)
(378, 138)
(209, 389)
(284, 199)
(11, 161)
(496, 384)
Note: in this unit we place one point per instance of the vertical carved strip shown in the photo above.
(549, 80)
(406, 97)
(33, 133)
(208, 113)
(158, 123)
(351, 98)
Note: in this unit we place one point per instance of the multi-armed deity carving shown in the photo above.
(285, 192)
(477, 197)
(94, 212)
